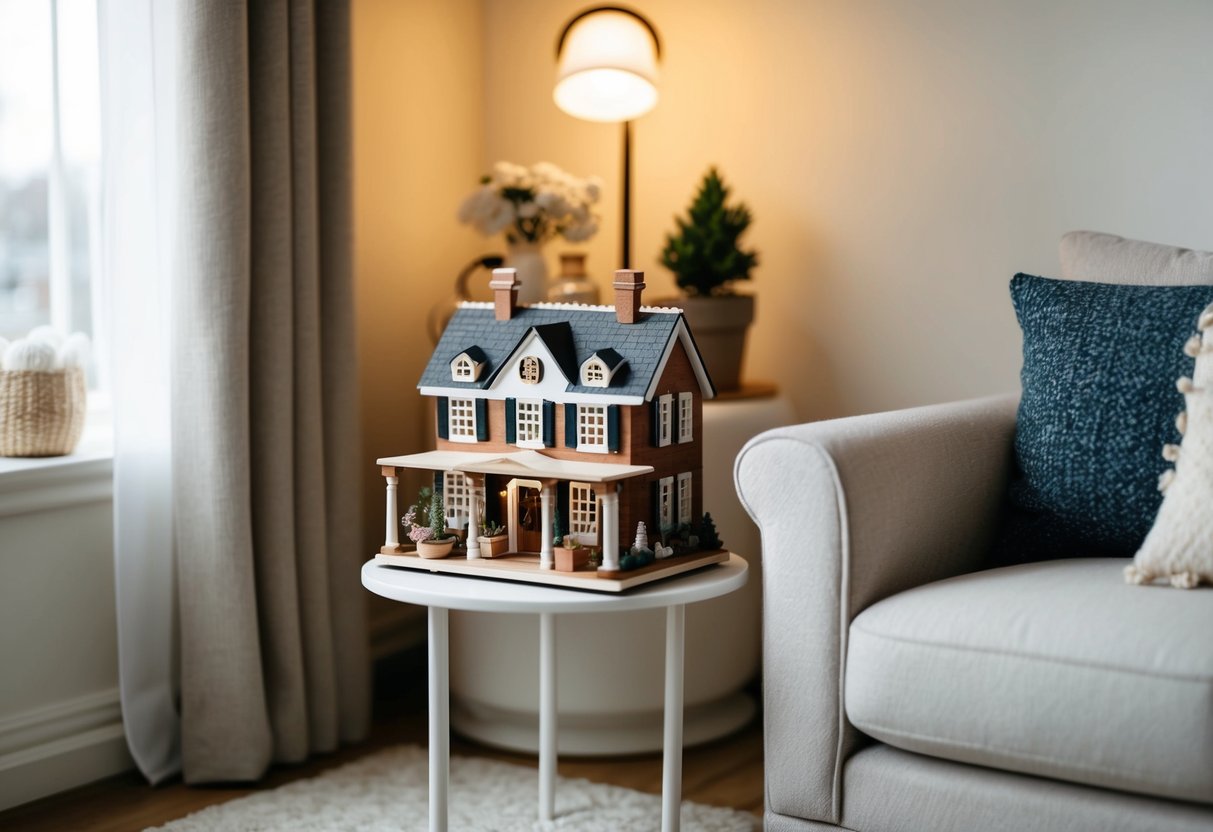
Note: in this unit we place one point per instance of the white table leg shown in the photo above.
(440, 726)
(547, 716)
(671, 774)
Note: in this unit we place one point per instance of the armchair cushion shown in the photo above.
(1099, 401)
(1057, 669)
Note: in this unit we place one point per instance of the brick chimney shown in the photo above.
(505, 293)
(629, 283)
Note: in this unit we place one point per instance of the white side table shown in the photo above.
(449, 592)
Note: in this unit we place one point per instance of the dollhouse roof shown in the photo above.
(572, 333)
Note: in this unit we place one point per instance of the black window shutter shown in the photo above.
(549, 424)
(511, 423)
(482, 420)
(674, 414)
(613, 428)
(444, 418)
(570, 425)
(657, 422)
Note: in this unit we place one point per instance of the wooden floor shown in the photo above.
(724, 773)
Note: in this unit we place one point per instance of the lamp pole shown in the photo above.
(625, 252)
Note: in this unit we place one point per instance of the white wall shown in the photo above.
(903, 160)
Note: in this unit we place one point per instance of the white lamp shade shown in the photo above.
(607, 69)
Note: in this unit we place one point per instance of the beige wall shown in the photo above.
(418, 141)
(903, 160)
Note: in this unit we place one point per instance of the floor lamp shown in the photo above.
(606, 70)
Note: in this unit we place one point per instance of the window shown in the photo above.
(49, 165)
(529, 424)
(684, 497)
(462, 369)
(457, 500)
(530, 370)
(665, 415)
(462, 420)
(686, 417)
(592, 428)
(583, 512)
(594, 374)
(665, 501)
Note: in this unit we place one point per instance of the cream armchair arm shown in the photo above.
(852, 511)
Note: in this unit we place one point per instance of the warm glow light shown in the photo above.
(607, 69)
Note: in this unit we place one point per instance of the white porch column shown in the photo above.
(391, 528)
(475, 481)
(546, 506)
(609, 526)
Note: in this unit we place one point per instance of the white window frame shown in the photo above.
(665, 502)
(461, 420)
(456, 499)
(685, 497)
(592, 428)
(462, 369)
(594, 373)
(528, 419)
(583, 512)
(665, 415)
(686, 417)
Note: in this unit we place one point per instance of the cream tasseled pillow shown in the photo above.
(1179, 546)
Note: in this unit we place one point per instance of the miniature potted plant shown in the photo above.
(438, 543)
(493, 540)
(706, 258)
(571, 555)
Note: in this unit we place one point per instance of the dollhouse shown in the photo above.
(564, 419)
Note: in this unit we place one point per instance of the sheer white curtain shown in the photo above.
(227, 224)
(138, 80)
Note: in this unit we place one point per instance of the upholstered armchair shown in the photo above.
(910, 686)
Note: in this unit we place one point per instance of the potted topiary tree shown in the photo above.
(706, 258)
(438, 543)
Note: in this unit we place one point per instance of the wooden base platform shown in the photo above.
(525, 568)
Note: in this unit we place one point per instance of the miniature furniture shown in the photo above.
(441, 593)
(1070, 699)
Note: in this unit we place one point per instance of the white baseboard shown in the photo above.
(61, 746)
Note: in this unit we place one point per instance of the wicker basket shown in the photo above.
(41, 413)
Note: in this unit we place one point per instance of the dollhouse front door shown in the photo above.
(526, 518)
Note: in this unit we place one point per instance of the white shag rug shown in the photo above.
(389, 792)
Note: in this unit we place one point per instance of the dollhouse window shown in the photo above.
(583, 512)
(684, 497)
(665, 501)
(462, 370)
(462, 414)
(530, 370)
(665, 416)
(529, 424)
(686, 417)
(592, 428)
(593, 374)
(457, 499)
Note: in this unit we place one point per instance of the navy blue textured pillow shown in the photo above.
(1100, 363)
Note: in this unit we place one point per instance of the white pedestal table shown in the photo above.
(441, 593)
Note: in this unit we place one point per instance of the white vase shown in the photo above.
(532, 268)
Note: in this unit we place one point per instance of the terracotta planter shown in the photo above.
(571, 560)
(491, 547)
(435, 549)
(719, 325)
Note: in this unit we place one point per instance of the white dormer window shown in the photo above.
(530, 370)
(468, 365)
(462, 369)
(593, 374)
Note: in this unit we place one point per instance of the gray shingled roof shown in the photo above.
(593, 330)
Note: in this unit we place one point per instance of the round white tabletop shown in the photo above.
(458, 592)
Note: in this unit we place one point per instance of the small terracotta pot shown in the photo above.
(570, 560)
(491, 547)
(435, 549)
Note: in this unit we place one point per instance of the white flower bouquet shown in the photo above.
(533, 204)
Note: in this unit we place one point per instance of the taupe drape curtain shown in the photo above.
(273, 651)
